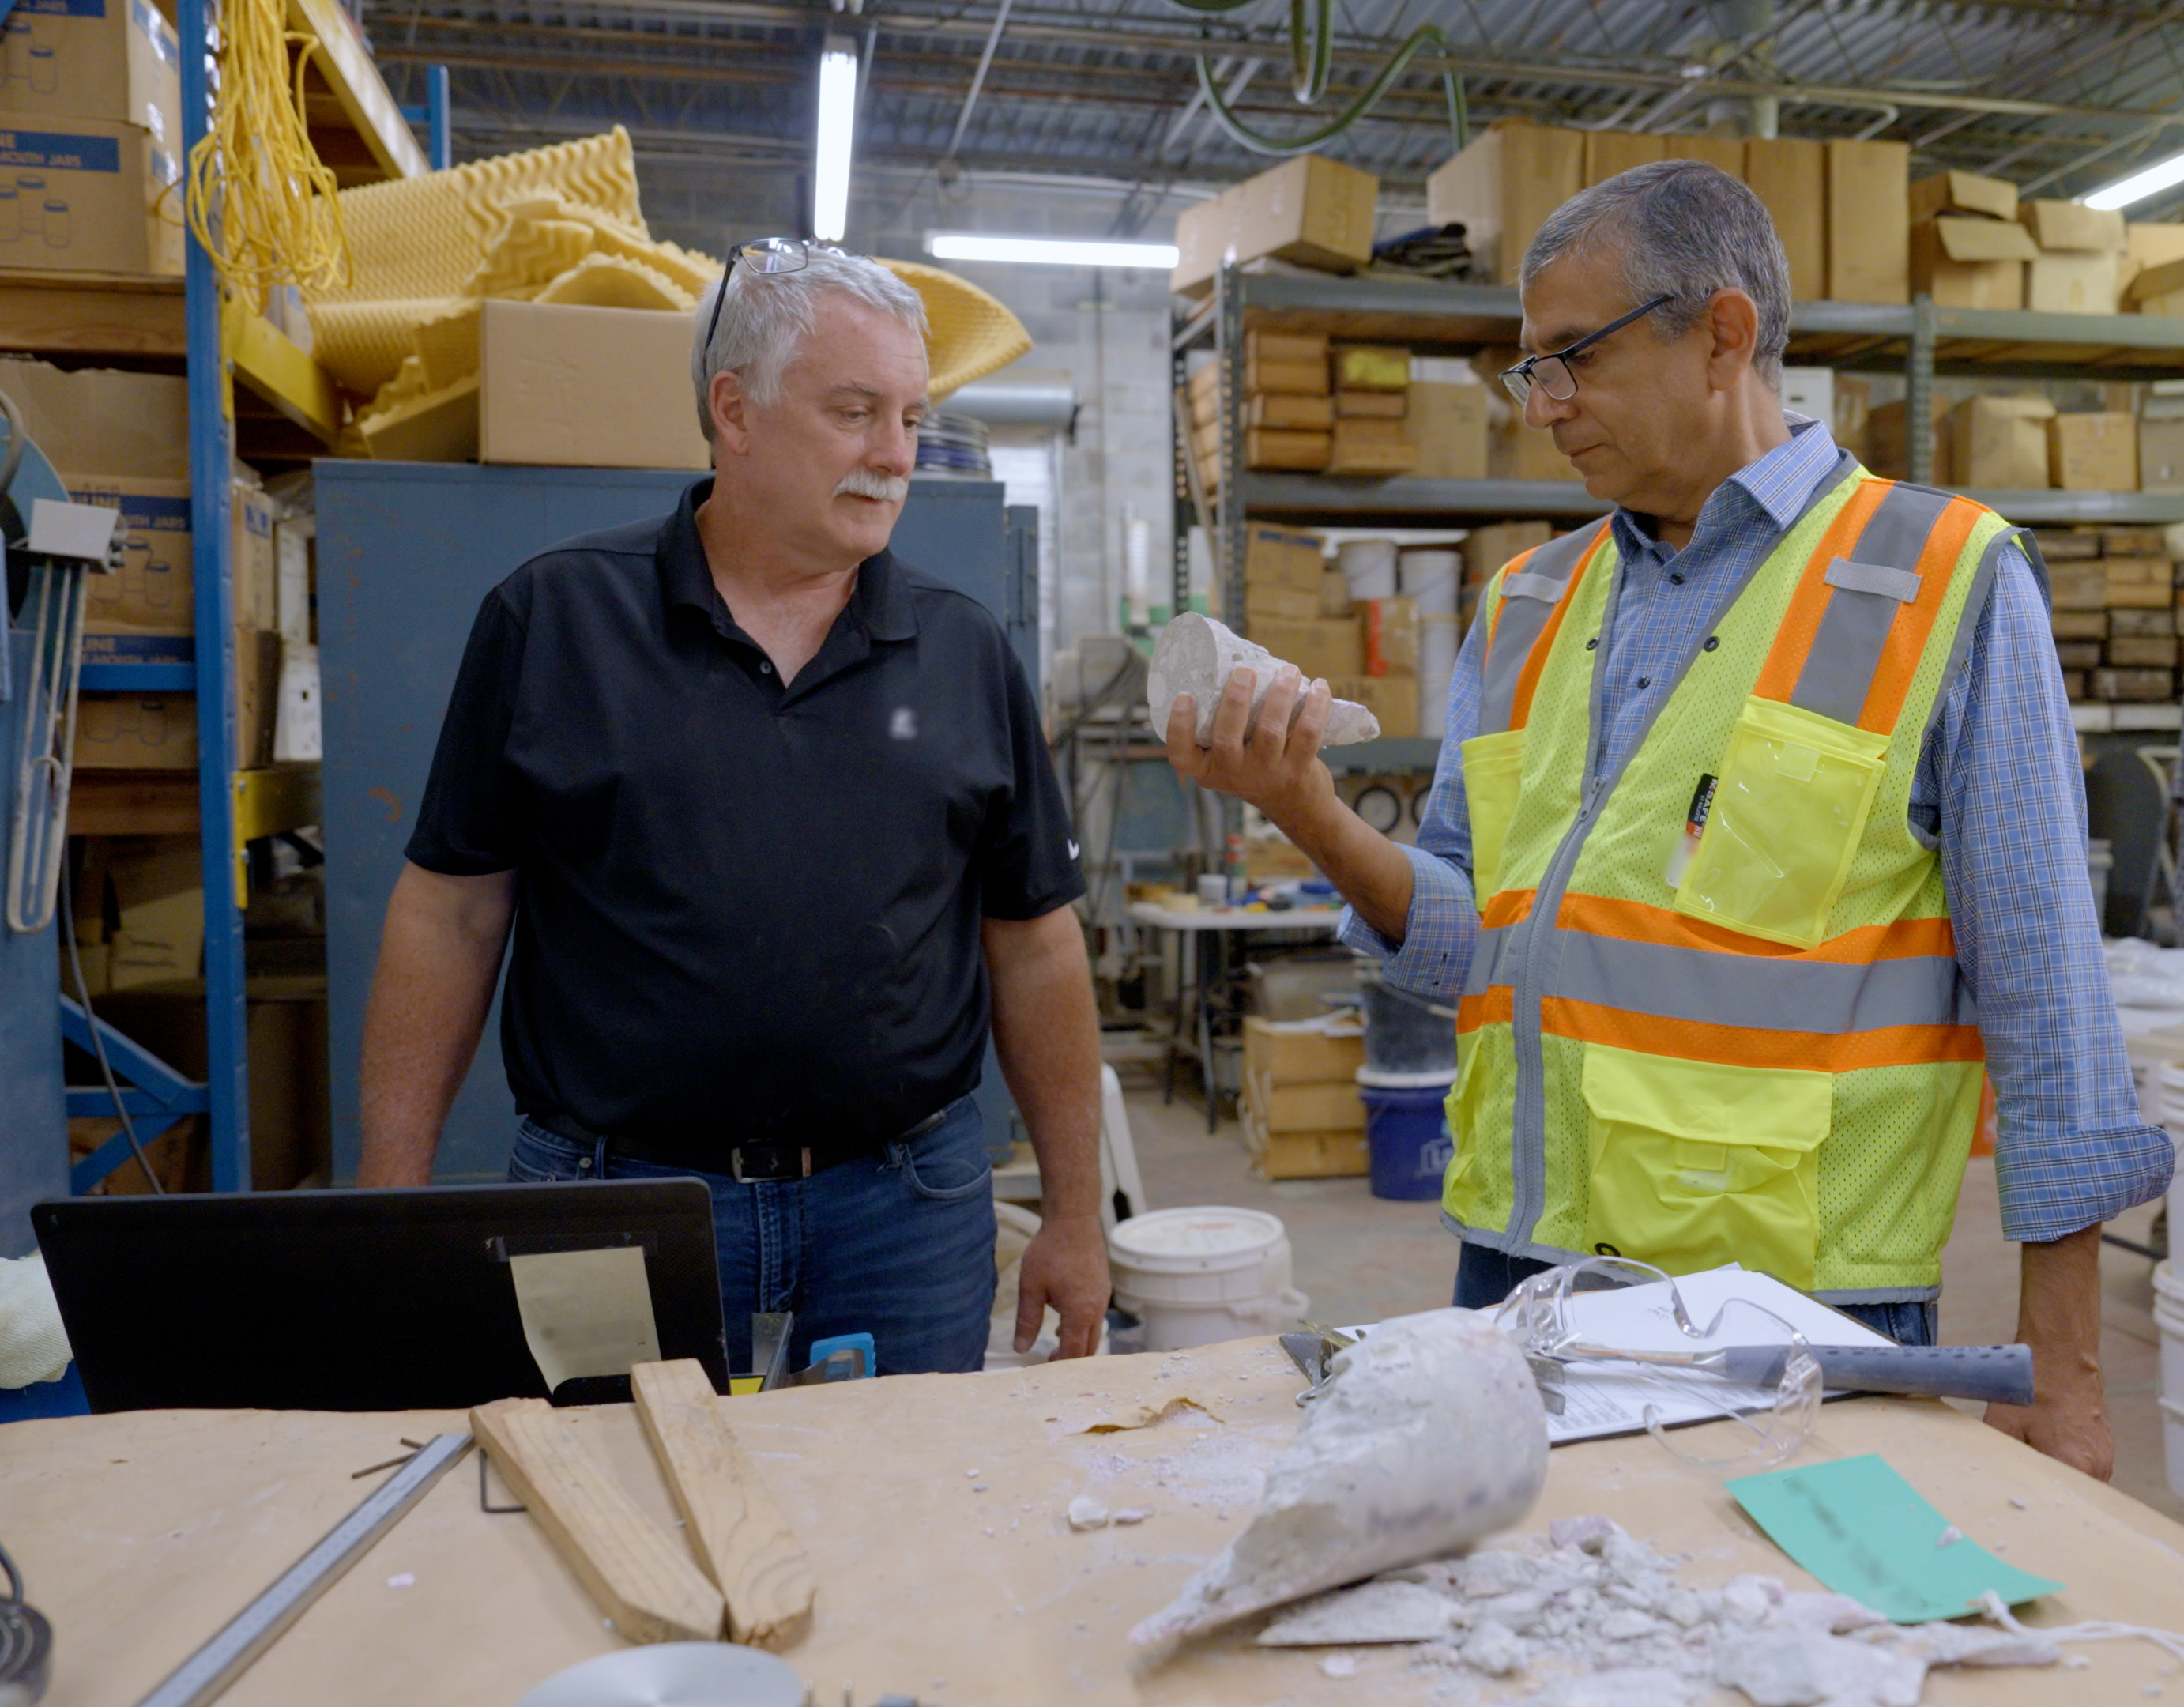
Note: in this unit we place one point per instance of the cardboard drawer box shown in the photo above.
(84, 195)
(576, 386)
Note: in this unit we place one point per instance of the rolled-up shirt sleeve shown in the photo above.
(2001, 786)
(1443, 924)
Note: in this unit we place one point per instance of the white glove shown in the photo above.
(34, 1346)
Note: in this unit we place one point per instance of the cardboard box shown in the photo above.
(84, 195)
(1274, 447)
(104, 421)
(1293, 410)
(1963, 193)
(1486, 550)
(1515, 451)
(1284, 557)
(1609, 151)
(1303, 1155)
(1887, 433)
(136, 732)
(2057, 224)
(118, 60)
(2146, 244)
(2093, 451)
(155, 588)
(2058, 545)
(1965, 262)
(1370, 367)
(158, 892)
(2161, 456)
(253, 571)
(2080, 654)
(1312, 211)
(1810, 391)
(2134, 542)
(2142, 651)
(1502, 188)
(2080, 282)
(1388, 629)
(1725, 153)
(587, 387)
(2138, 686)
(1266, 603)
(1334, 593)
(1324, 647)
(1301, 1052)
(2000, 442)
(2138, 625)
(2084, 625)
(2079, 586)
(1392, 699)
(1789, 174)
(2142, 583)
(1284, 346)
(1372, 405)
(1371, 447)
(1868, 221)
(1299, 378)
(2158, 279)
(1447, 423)
(2074, 684)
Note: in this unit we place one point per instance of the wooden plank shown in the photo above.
(642, 1581)
(733, 1523)
(90, 314)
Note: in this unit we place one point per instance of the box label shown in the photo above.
(60, 153)
(64, 8)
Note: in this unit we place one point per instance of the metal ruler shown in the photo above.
(209, 1672)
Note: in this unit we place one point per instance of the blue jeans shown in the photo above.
(1484, 1277)
(899, 1245)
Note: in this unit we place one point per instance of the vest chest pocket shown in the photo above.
(1795, 793)
(1492, 765)
(1695, 1164)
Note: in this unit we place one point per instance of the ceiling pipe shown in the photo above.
(978, 79)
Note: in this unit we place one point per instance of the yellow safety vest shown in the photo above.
(1760, 1053)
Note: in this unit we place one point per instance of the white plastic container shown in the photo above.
(2100, 861)
(1197, 1277)
(2168, 1317)
(1369, 567)
(1432, 576)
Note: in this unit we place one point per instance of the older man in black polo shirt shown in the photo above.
(771, 814)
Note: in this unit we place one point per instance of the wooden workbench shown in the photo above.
(933, 1509)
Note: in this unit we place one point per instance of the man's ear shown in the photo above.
(731, 411)
(1732, 323)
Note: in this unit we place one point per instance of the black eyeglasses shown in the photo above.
(1553, 371)
(763, 255)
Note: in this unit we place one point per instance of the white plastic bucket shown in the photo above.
(2100, 861)
(1432, 577)
(1197, 1277)
(1369, 567)
(2167, 1101)
(2168, 1317)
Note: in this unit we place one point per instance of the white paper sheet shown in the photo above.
(1611, 1398)
(586, 1312)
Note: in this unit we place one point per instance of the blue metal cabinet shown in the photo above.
(406, 552)
(34, 1153)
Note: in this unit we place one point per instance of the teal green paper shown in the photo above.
(1864, 1532)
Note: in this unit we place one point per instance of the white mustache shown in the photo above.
(862, 482)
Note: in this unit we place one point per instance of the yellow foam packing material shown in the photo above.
(447, 346)
(423, 237)
(611, 281)
(969, 334)
(362, 344)
(529, 255)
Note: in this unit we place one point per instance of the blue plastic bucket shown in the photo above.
(1407, 1133)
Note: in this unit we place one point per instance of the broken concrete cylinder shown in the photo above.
(1430, 1437)
(1197, 656)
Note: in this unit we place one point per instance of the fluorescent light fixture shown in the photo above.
(837, 125)
(2161, 175)
(966, 246)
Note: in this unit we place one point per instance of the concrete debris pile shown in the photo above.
(1596, 1619)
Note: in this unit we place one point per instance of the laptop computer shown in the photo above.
(358, 1300)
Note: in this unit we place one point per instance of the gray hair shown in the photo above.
(768, 315)
(1685, 229)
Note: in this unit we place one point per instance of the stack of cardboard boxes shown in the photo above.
(2024, 441)
(1302, 1116)
(90, 138)
(1300, 611)
(1309, 406)
(1487, 550)
(2114, 613)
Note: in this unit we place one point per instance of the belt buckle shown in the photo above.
(736, 1167)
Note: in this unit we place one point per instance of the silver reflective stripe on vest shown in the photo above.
(1488, 949)
(1529, 600)
(1854, 628)
(1761, 994)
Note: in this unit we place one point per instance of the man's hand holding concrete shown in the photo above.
(1276, 767)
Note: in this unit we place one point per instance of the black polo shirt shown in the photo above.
(743, 911)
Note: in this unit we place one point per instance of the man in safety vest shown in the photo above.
(1758, 836)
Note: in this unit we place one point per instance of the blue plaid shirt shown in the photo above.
(1998, 789)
